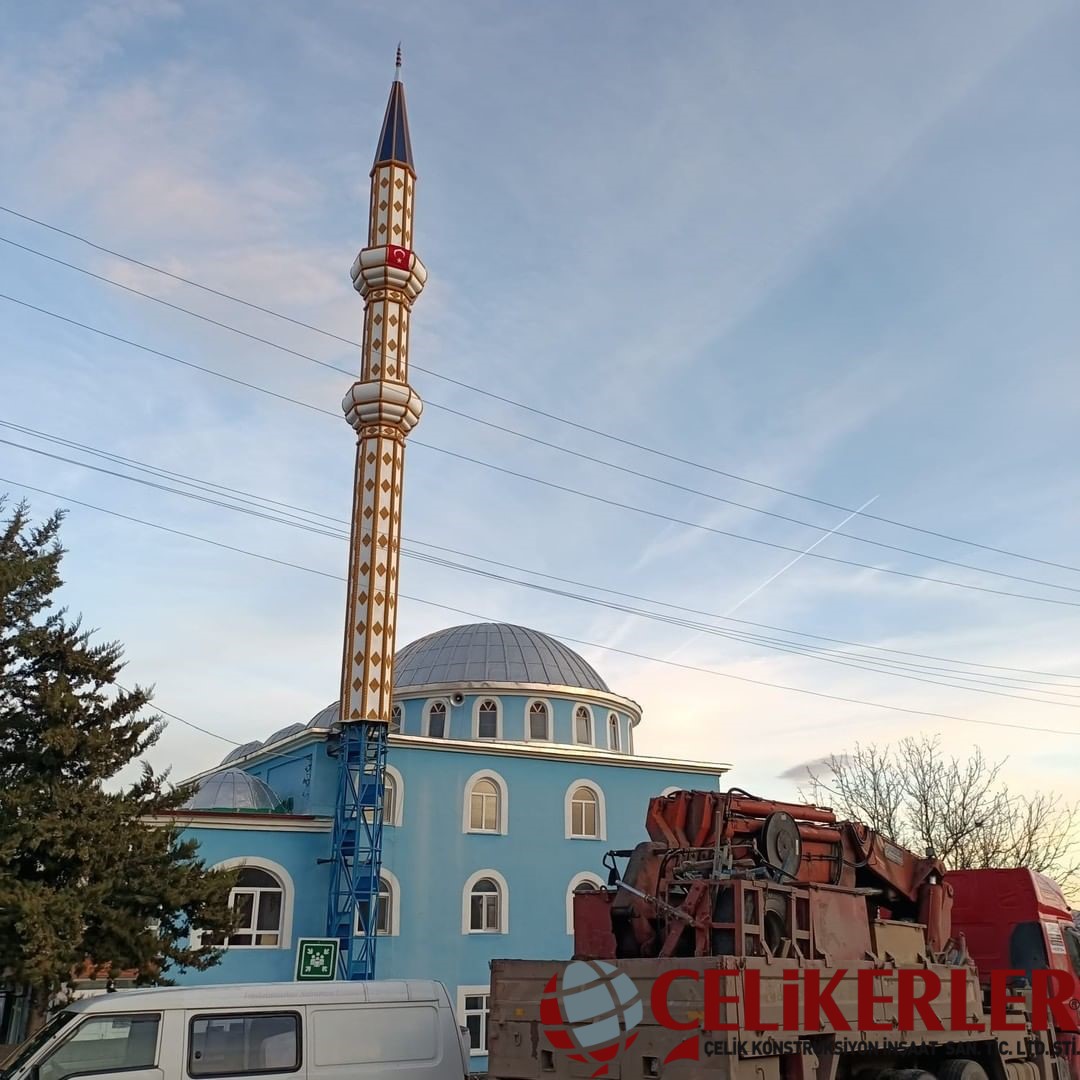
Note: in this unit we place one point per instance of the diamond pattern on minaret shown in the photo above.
(383, 409)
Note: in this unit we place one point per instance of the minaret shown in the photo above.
(383, 409)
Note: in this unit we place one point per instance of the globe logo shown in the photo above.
(590, 1012)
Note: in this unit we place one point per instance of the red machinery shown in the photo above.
(729, 874)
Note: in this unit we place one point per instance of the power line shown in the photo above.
(573, 640)
(565, 488)
(794, 648)
(589, 429)
(305, 515)
(626, 470)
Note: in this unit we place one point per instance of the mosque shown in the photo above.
(497, 769)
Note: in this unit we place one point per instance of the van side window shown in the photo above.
(242, 1044)
(105, 1044)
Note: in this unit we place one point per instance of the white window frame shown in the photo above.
(473, 991)
(398, 816)
(288, 894)
(670, 791)
(615, 744)
(399, 710)
(630, 736)
(601, 810)
(529, 737)
(395, 908)
(502, 826)
(498, 718)
(575, 881)
(504, 903)
(427, 718)
(578, 706)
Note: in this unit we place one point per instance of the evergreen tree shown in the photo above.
(91, 870)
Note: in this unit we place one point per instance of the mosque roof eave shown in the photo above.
(534, 748)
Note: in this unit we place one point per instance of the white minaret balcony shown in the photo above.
(382, 401)
(388, 267)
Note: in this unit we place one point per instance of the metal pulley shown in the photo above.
(782, 843)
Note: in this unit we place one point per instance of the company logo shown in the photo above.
(590, 1012)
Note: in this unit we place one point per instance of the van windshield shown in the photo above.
(28, 1049)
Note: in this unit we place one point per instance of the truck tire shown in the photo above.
(962, 1069)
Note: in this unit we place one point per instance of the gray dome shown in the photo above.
(284, 733)
(327, 717)
(233, 789)
(492, 652)
(241, 751)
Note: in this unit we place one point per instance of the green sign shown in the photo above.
(316, 959)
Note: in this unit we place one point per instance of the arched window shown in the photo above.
(436, 720)
(485, 907)
(539, 720)
(484, 807)
(487, 719)
(395, 718)
(386, 908)
(585, 811)
(583, 882)
(583, 725)
(390, 795)
(258, 899)
(613, 731)
(486, 803)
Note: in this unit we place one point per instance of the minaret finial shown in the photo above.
(397, 64)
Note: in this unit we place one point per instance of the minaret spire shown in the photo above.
(383, 409)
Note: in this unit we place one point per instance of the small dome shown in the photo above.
(284, 733)
(492, 653)
(233, 789)
(325, 718)
(241, 751)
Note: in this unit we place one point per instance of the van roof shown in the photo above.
(248, 995)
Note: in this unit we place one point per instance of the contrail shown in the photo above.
(789, 565)
(783, 570)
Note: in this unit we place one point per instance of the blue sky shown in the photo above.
(830, 248)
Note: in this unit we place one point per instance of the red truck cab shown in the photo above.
(1020, 920)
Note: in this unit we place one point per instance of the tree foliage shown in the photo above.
(960, 809)
(86, 876)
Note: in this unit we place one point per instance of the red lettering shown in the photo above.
(660, 1003)
(791, 999)
(752, 1002)
(867, 999)
(714, 999)
(1001, 999)
(1042, 995)
(817, 999)
(908, 1003)
(958, 988)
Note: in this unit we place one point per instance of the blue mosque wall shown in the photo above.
(429, 853)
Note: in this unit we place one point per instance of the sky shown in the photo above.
(831, 249)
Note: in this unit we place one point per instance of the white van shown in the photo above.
(328, 1031)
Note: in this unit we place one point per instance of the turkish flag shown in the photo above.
(398, 256)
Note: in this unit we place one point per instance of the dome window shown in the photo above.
(613, 731)
(487, 719)
(583, 726)
(395, 719)
(437, 720)
(539, 721)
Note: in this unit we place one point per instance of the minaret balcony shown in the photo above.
(388, 267)
(382, 401)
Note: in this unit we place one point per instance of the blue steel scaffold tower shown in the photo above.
(383, 409)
